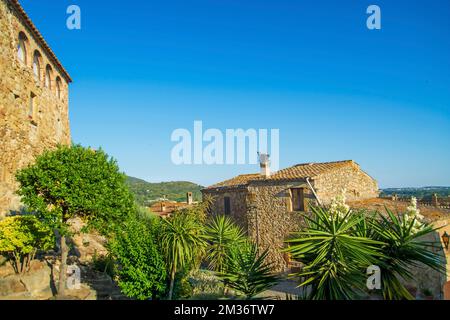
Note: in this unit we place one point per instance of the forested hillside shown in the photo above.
(176, 190)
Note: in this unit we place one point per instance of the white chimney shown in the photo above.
(264, 163)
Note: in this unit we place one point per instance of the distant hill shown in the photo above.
(420, 193)
(145, 192)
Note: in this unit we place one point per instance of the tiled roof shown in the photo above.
(21, 12)
(170, 206)
(299, 171)
(241, 180)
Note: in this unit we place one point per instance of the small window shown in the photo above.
(37, 65)
(298, 199)
(32, 105)
(22, 48)
(227, 205)
(48, 77)
(58, 87)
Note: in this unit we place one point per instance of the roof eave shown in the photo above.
(36, 33)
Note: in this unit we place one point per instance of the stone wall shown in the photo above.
(25, 134)
(33, 285)
(270, 220)
(238, 204)
(358, 184)
(262, 210)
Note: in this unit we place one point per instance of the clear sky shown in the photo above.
(312, 69)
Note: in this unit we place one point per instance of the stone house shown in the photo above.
(267, 205)
(164, 207)
(34, 98)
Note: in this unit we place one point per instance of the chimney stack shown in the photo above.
(264, 163)
(189, 198)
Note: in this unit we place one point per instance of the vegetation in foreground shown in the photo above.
(72, 182)
(154, 258)
(337, 245)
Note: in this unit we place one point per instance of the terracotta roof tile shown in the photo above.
(170, 206)
(241, 180)
(300, 171)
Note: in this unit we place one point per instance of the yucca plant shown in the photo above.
(222, 234)
(404, 247)
(334, 255)
(182, 241)
(247, 271)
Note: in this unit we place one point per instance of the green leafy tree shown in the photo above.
(222, 234)
(334, 255)
(73, 181)
(21, 237)
(140, 268)
(246, 270)
(182, 242)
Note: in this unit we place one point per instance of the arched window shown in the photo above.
(58, 87)
(22, 48)
(37, 65)
(48, 77)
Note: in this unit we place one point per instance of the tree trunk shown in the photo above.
(63, 268)
(172, 282)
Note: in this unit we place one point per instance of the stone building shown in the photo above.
(34, 98)
(267, 205)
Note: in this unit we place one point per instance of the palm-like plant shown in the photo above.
(404, 248)
(246, 270)
(334, 256)
(182, 241)
(222, 234)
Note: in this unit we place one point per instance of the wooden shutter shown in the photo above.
(227, 205)
(298, 199)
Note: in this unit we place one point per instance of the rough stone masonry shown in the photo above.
(34, 96)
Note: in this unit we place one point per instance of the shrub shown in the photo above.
(222, 234)
(21, 237)
(334, 256)
(247, 272)
(206, 284)
(336, 250)
(139, 267)
(404, 247)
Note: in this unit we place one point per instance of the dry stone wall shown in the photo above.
(270, 220)
(238, 204)
(33, 117)
(357, 183)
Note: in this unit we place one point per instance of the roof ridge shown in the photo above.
(327, 162)
(302, 171)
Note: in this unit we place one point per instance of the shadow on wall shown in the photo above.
(426, 283)
(444, 250)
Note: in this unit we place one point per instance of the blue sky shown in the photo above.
(335, 89)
